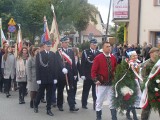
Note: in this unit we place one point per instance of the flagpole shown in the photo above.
(1, 32)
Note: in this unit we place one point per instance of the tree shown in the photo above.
(71, 15)
(120, 34)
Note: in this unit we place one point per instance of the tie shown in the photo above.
(109, 68)
(66, 51)
(94, 52)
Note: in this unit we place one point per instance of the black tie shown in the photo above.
(66, 51)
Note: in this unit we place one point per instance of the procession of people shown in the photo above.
(129, 77)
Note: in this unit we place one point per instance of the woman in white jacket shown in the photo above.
(8, 69)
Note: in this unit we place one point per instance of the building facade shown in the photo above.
(150, 22)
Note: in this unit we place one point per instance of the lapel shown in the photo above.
(45, 56)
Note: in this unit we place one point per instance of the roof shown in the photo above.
(92, 29)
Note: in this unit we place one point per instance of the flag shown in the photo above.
(3, 38)
(19, 39)
(55, 37)
(45, 36)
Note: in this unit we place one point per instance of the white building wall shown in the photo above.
(150, 21)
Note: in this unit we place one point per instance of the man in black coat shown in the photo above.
(66, 74)
(46, 72)
(88, 56)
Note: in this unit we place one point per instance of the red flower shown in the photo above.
(157, 94)
(153, 100)
(127, 97)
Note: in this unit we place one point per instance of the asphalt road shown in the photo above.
(11, 110)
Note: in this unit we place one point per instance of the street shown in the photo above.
(11, 110)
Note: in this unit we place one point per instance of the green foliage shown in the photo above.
(128, 81)
(71, 15)
(120, 34)
(153, 96)
(83, 46)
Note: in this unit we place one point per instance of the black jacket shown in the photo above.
(87, 61)
(46, 67)
(60, 65)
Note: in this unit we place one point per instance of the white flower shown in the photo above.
(158, 81)
(156, 89)
(125, 90)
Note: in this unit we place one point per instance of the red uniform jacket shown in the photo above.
(100, 67)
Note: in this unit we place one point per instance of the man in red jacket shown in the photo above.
(102, 73)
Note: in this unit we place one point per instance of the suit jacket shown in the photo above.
(87, 61)
(46, 67)
(60, 65)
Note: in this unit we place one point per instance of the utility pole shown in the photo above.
(108, 20)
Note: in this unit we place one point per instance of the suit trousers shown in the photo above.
(103, 92)
(70, 93)
(7, 85)
(75, 88)
(40, 93)
(86, 88)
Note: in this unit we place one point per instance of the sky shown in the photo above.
(103, 7)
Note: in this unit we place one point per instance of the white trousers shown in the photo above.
(102, 93)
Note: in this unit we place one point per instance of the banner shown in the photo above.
(121, 9)
(54, 33)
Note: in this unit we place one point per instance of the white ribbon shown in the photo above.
(154, 71)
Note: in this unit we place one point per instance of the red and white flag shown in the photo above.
(3, 38)
(54, 32)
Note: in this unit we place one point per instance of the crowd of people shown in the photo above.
(44, 75)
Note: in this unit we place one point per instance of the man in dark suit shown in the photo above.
(86, 64)
(66, 74)
(45, 75)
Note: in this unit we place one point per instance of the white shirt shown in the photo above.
(109, 55)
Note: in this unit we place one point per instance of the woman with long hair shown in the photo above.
(78, 70)
(8, 69)
(31, 75)
(21, 76)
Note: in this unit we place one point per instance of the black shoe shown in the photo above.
(21, 101)
(74, 109)
(36, 110)
(60, 108)
(85, 107)
(54, 104)
(49, 113)
(43, 101)
(7, 95)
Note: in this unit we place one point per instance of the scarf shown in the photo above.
(21, 68)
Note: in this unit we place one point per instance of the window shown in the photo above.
(156, 2)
